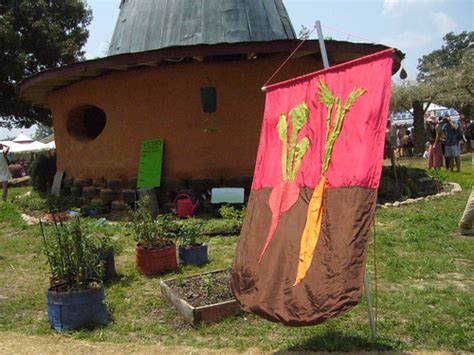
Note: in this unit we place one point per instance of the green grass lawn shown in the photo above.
(425, 282)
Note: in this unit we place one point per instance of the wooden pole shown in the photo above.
(370, 311)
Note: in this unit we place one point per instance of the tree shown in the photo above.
(42, 131)
(416, 96)
(450, 70)
(36, 35)
(449, 56)
(446, 76)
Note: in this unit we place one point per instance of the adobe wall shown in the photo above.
(165, 102)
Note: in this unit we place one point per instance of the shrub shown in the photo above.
(189, 230)
(42, 172)
(31, 202)
(230, 212)
(152, 233)
(221, 226)
(71, 255)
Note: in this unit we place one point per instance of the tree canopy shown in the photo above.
(446, 76)
(449, 56)
(449, 71)
(42, 132)
(36, 35)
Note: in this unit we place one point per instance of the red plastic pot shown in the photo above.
(156, 261)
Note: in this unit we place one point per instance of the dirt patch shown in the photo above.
(13, 343)
(202, 290)
(454, 279)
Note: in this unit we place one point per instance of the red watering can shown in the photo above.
(184, 205)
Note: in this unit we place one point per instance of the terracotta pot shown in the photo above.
(156, 261)
(58, 217)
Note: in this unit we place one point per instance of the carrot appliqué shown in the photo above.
(285, 195)
(336, 113)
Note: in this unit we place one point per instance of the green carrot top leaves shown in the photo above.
(293, 151)
(334, 126)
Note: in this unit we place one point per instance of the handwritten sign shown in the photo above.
(151, 159)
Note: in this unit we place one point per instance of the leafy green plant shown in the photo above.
(189, 230)
(42, 172)
(152, 233)
(31, 201)
(71, 254)
(207, 285)
(106, 237)
(36, 201)
(221, 226)
(232, 213)
(62, 203)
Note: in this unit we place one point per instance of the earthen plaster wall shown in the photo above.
(165, 102)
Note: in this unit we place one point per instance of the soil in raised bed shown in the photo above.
(203, 290)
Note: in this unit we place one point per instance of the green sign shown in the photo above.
(151, 159)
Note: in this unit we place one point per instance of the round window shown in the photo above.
(86, 123)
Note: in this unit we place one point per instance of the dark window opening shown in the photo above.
(86, 122)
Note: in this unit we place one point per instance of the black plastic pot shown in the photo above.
(107, 257)
(194, 254)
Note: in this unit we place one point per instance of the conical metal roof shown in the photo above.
(145, 25)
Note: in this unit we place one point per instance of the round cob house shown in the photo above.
(189, 72)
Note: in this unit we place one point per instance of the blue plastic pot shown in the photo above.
(108, 259)
(195, 254)
(73, 310)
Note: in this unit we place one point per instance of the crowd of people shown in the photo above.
(446, 138)
(404, 142)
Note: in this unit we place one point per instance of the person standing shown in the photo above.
(435, 151)
(399, 136)
(451, 149)
(4, 171)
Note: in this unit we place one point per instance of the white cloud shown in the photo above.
(395, 7)
(99, 51)
(443, 22)
(104, 48)
(408, 39)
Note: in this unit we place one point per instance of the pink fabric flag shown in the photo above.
(303, 246)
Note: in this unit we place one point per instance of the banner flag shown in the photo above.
(303, 246)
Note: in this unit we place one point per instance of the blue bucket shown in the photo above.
(73, 310)
(195, 254)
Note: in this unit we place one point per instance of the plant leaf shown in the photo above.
(301, 149)
(282, 127)
(299, 117)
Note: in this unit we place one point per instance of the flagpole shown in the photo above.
(370, 311)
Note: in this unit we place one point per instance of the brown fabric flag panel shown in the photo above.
(303, 246)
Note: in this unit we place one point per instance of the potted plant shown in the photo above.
(192, 252)
(74, 298)
(106, 245)
(155, 250)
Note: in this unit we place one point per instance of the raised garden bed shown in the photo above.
(200, 298)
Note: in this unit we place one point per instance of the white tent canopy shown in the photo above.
(23, 138)
(29, 148)
(51, 145)
(33, 147)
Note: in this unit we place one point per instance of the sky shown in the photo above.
(416, 27)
